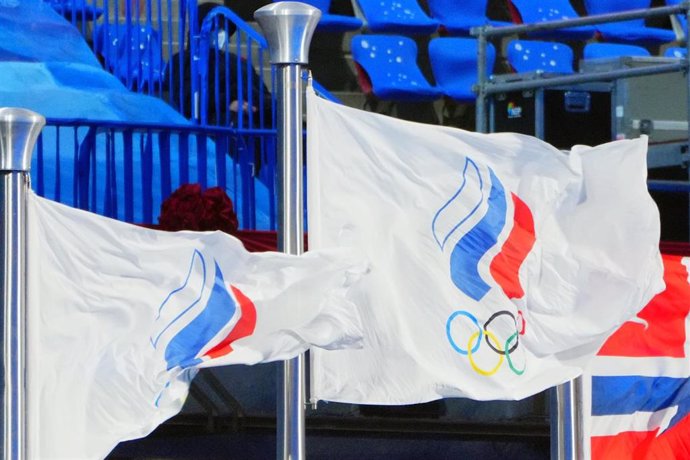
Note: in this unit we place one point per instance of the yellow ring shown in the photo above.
(477, 369)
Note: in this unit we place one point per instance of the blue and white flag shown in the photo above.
(499, 264)
(122, 317)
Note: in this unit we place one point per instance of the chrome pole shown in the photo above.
(576, 420)
(560, 422)
(569, 421)
(480, 105)
(19, 129)
(288, 28)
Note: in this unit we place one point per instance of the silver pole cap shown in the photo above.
(288, 27)
(19, 129)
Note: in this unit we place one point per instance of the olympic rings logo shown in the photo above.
(502, 349)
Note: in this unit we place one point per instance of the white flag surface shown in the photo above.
(499, 264)
(121, 318)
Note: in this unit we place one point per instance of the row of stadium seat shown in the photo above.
(452, 17)
(389, 63)
(556, 57)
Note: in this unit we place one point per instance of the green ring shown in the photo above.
(510, 361)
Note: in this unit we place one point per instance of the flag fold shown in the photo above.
(499, 264)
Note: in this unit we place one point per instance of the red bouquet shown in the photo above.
(188, 208)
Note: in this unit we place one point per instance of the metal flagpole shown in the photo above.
(19, 129)
(569, 420)
(288, 28)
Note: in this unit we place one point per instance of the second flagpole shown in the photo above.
(288, 28)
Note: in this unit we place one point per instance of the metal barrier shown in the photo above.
(215, 73)
(125, 171)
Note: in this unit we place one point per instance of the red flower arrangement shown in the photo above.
(188, 208)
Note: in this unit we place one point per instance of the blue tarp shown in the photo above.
(46, 66)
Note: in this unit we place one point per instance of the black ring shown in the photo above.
(486, 326)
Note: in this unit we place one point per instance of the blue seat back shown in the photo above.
(323, 5)
(676, 52)
(135, 56)
(618, 6)
(532, 56)
(454, 64)
(332, 22)
(390, 62)
(448, 10)
(396, 17)
(459, 17)
(609, 50)
(535, 11)
(141, 59)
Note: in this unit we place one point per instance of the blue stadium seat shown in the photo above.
(332, 22)
(534, 56)
(138, 61)
(676, 52)
(395, 17)
(631, 31)
(454, 63)
(390, 63)
(457, 18)
(609, 50)
(79, 10)
(535, 11)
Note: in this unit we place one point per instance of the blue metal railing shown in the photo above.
(125, 171)
(216, 73)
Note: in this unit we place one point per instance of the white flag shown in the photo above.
(498, 263)
(121, 318)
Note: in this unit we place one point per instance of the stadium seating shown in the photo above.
(609, 50)
(77, 10)
(630, 31)
(390, 64)
(535, 11)
(454, 63)
(404, 17)
(333, 22)
(457, 18)
(540, 56)
(136, 60)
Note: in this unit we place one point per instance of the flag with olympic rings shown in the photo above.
(122, 318)
(498, 264)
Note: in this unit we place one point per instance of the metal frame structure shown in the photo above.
(667, 154)
(485, 86)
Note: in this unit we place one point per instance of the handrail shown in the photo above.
(545, 82)
(148, 126)
(125, 170)
(484, 87)
(492, 31)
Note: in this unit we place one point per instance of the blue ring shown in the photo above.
(450, 338)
